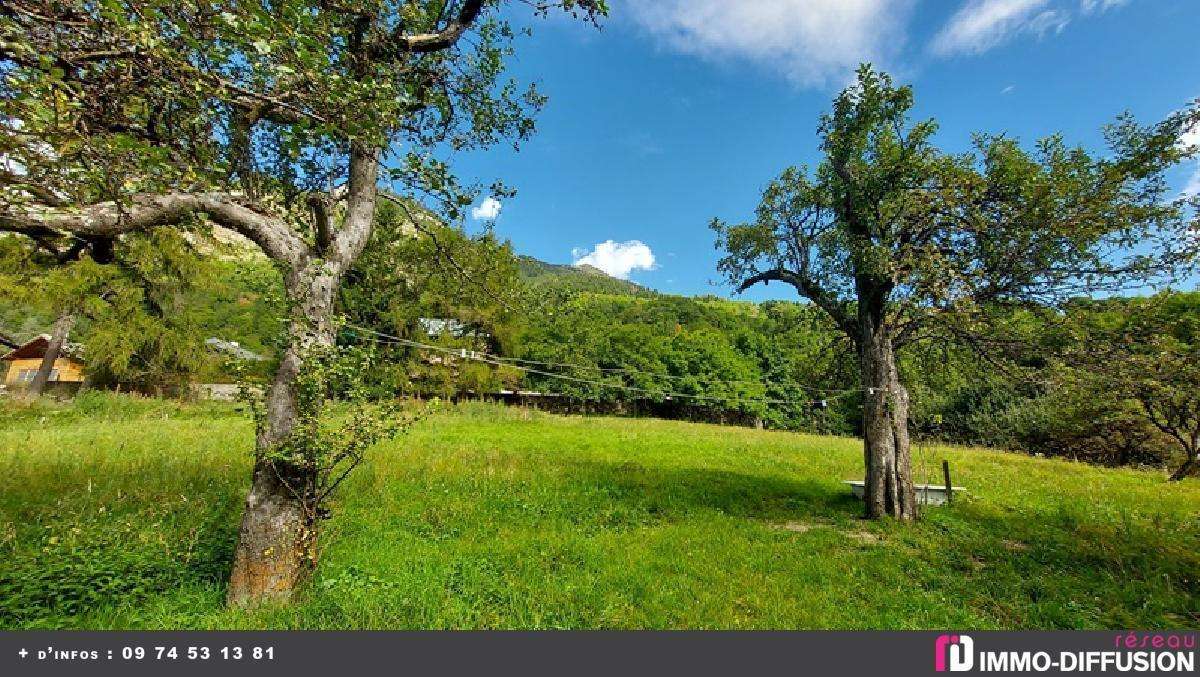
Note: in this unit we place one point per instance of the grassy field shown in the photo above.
(121, 514)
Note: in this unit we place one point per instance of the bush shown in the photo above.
(1086, 426)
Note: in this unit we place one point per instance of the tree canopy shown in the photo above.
(890, 219)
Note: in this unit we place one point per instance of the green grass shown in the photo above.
(123, 515)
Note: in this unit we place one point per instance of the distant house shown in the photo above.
(434, 326)
(448, 326)
(23, 362)
(232, 349)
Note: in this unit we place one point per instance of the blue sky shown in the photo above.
(679, 111)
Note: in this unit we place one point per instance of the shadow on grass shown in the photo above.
(1064, 566)
(1061, 568)
(674, 492)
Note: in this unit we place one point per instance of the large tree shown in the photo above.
(898, 241)
(276, 119)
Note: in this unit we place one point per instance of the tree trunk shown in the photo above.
(1188, 467)
(889, 485)
(277, 541)
(58, 338)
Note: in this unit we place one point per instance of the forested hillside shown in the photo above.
(538, 274)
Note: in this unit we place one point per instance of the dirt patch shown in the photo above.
(861, 536)
(796, 527)
(1015, 546)
(865, 537)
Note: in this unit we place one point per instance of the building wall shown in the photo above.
(70, 371)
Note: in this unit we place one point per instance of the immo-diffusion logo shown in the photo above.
(959, 649)
(1132, 652)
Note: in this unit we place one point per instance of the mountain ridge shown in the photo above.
(585, 277)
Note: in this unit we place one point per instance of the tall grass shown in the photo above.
(122, 514)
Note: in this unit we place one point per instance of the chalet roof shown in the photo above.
(35, 348)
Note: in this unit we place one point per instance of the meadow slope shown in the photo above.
(122, 514)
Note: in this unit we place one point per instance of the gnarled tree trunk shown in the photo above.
(58, 338)
(277, 542)
(889, 484)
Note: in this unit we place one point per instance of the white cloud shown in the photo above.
(813, 42)
(617, 259)
(487, 210)
(1050, 21)
(1090, 6)
(1008, 90)
(981, 25)
(821, 42)
(1192, 138)
(1193, 184)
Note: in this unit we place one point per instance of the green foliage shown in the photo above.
(491, 517)
(890, 228)
(141, 314)
(23, 313)
(120, 101)
(1103, 380)
(725, 356)
(415, 266)
(196, 97)
(241, 300)
(1144, 355)
(417, 269)
(142, 331)
(322, 449)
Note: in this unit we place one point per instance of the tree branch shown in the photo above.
(322, 207)
(774, 275)
(145, 212)
(397, 43)
(360, 192)
(1185, 469)
(41, 193)
(810, 290)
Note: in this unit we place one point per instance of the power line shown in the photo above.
(822, 393)
(675, 377)
(496, 361)
(490, 359)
